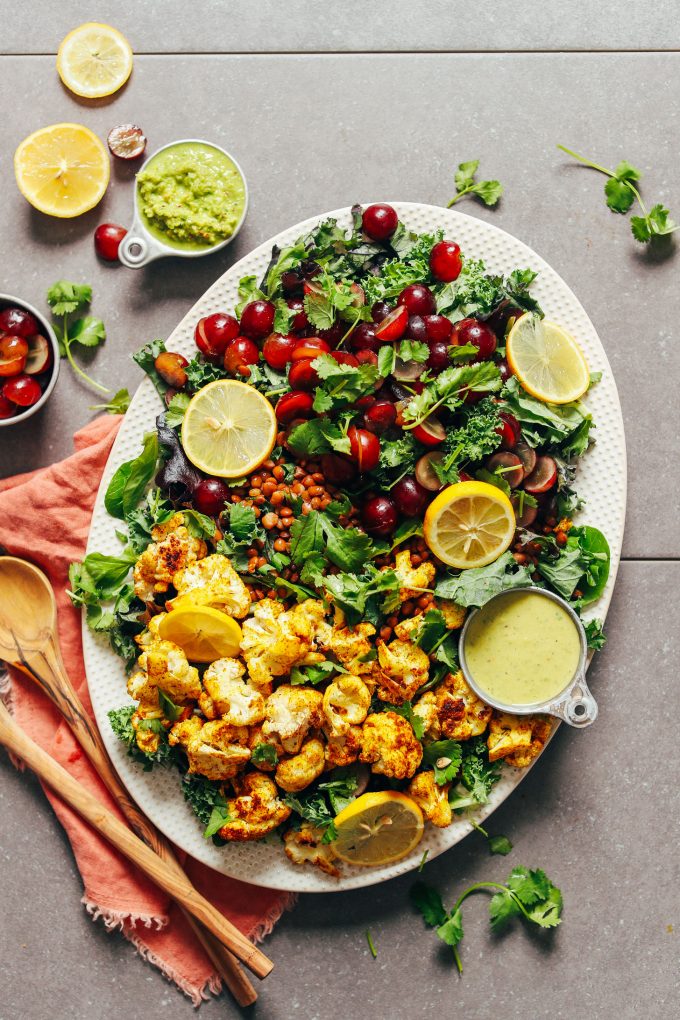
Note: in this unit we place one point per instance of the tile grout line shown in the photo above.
(378, 53)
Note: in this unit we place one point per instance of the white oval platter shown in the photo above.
(601, 481)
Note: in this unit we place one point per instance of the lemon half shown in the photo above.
(378, 828)
(203, 633)
(469, 524)
(62, 170)
(546, 359)
(94, 60)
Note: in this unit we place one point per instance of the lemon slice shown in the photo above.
(547, 360)
(469, 524)
(203, 633)
(94, 60)
(62, 170)
(228, 429)
(378, 828)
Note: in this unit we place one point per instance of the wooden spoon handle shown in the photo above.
(175, 884)
(46, 668)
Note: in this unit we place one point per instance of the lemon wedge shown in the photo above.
(94, 60)
(203, 633)
(546, 359)
(62, 170)
(378, 828)
(469, 524)
(229, 428)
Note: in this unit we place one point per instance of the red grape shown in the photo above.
(18, 322)
(416, 329)
(337, 468)
(393, 326)
(278, 350)
(542, 478)
(425, 472)
(410, 497)
(527, 455)
(107, 238)
(127, 141)
(300, 319)
(238, 352)
(210, 495)
(439, 357)
(310, 347)
(363, 338)
(39, 357)
(257, 319)
(379, 516)
(213, 333)
(379, 221)
(511, 467)
(380, 310)
(418, 299)
(380, 416)
(430, 432)
(364, 358)
(509, 430)
(302, 376)
(364, 448)
(445, 261)
(528, 514)
(13, 353)
(437, 328)
(171, 368)
(294, 405)
(344, 358)
(471, 331)
(504, 370)
(22, 390)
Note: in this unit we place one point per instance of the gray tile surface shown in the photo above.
(599, 811)
(367, 141)
(255, 26)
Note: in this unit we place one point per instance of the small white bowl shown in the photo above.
(140, 246)
(9, 301)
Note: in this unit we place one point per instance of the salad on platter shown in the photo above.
(380, 437)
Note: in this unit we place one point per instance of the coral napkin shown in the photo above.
(45, 517)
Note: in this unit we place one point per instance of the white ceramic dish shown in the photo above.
(601, 480)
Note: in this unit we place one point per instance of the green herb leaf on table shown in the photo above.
(118, 404)
(488, 191)
(428, 901)
(65, 299)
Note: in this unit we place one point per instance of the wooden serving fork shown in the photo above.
(29, 642)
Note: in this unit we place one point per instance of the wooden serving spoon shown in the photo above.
(29, 642)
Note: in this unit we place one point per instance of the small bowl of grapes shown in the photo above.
(29, 360)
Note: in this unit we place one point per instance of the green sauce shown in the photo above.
(522, 649)
(191, 196)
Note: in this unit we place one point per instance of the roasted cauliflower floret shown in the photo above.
(163, 664)
(432, 800)
(453, 614)
(342, 748)
(215, 749)
(290, 713)
(461, 713)
(172, 549)
(148, 740)
(405, 668)
(412, 580)
(304, 846)
(389, 745)
(518, 739)
(296, 773)
(345, 703)
(255, 811)
(350, 645)
(276, 639)
(212, 582)
(426, 709)
(229, 696)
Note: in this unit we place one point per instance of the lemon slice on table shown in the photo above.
(62, 170)
(469, 524)
(203, 633)
(229, 428)
(378, 828)
(547, 360)
(94, 60)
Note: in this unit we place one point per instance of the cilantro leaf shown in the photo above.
(547, 913)
(502, 908)
(450, 388)
(595, 635)
(341, 385)
(366, 596)
(313, 807)
(174, 415)
(619, 196)
(445, 756)
(499, 845)
(65, 298)
(248, 290)
(317, 436)
(464, 180)
(347, 548)
(405, 710)
(168, 707)
(118, 404)
(428, 901)
(412, 350)
(264, 754)
(528, 886)
(451, 931)
(88, 331)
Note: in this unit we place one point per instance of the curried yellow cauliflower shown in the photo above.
(163, 664)
(404, 667)
(345, 703)
(147, 739)
(518, 739)
(342, 749)
(349, 645)
(172, 549)
(229, 696)
(432, 800)
(389, 745)
(290, 712)
(461, 713)
(452, 613)
(255, 811)
(276, 639)
(304, 846)
(426, 709)
(212, 582)
(215, 749)
(295, 773)
(412, 579)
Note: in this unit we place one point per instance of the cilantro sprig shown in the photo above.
(66, 299)
(622, 190)
(488, 191)
(527, 893)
